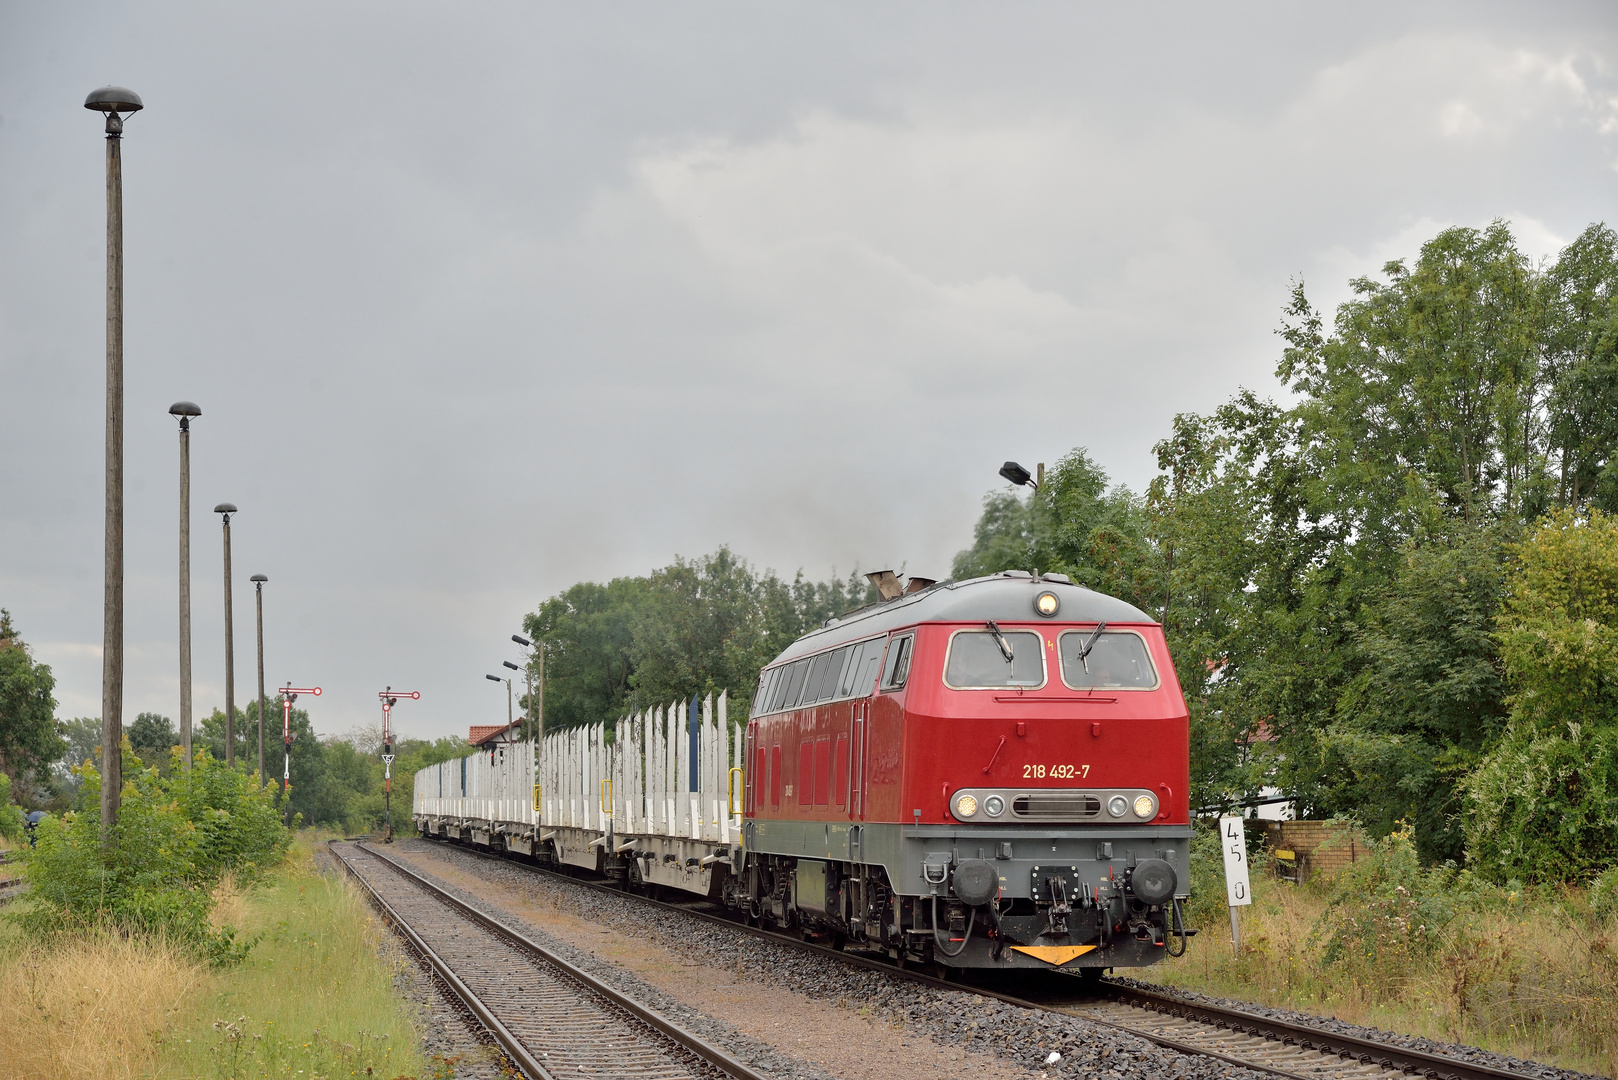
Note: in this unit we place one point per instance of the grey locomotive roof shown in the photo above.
(1007, 597)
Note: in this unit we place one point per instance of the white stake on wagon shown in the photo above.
(1238, 891)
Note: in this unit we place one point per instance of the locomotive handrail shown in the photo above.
(606, 797)
(537, 807)
(1075, 700)
(730, 791)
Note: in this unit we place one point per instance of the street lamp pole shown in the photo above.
(496, 678)
(113, 100)
(258, 585)
(185, 411)
(225, 510)
(535, 713)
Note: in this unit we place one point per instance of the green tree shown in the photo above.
(152, 736)
(28, 738)
(1580, 297)
(698, 626)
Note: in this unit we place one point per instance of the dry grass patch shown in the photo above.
(1533, 974)
(90, 1007)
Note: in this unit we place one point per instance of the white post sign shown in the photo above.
(1238, 891)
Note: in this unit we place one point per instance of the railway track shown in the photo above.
(1238, 1037)
(553, 1020)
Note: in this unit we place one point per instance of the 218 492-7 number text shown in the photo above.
(1055, 772)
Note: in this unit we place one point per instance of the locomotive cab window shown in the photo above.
(1116, 660)
(991, 660)
(898, 666)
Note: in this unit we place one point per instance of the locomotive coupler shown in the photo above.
(1056, 917)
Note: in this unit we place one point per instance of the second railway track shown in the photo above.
(553, 1020)
(1261, 1043)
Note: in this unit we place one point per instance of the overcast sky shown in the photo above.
(482, 300)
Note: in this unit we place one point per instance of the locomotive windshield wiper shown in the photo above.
(1000, 639)
(1088, 645)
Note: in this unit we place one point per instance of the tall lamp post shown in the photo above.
(258, 587)
(113, 101)
(496, 678)
(390, 697)
(225, 510)
(185, 411)
(536, 711)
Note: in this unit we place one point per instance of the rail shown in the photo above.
(1303, 1037)
(518, 1052)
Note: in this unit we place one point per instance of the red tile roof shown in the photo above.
(485, 733)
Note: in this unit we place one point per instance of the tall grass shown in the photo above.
(92, 1008)
(315, 997)
(1426, 951)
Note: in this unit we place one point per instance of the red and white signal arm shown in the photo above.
(1233, 838)
(313, 691)
(413, 695)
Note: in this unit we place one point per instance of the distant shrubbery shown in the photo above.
(177, 836)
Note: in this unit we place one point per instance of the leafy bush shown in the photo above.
(1604, 894)
(1544, 807)
(1387, 907)
(176, 835)
(1542, 804)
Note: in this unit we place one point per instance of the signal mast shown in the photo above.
(390, 697)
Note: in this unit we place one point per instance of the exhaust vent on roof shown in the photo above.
(916, 584)
(887, 584)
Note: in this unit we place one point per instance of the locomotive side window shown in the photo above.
(791, 686)
(898, 668)
(864, 657)
(978, 661)
(816, 676)
(766, 683)
(1117, 660)
(775, 775)
(806, 773)
(833, 679)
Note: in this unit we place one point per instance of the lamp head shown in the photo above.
(520, 640)
(114, 100)
(494, 678)
(510, 665)
(1015, 473)
(225, 508)
(260, 578)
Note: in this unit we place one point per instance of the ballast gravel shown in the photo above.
(1471, 1054)
(1023, 1037)
(452, 1039)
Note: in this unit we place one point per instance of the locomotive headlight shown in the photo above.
(1047, 604)
(994, 806)
(1145, 806)
(965, 806)
(1117, 806)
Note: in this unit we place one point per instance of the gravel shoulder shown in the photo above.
(790, 1013)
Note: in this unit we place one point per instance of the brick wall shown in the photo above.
(1322, 847)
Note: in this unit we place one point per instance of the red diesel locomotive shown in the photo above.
(981, 774)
